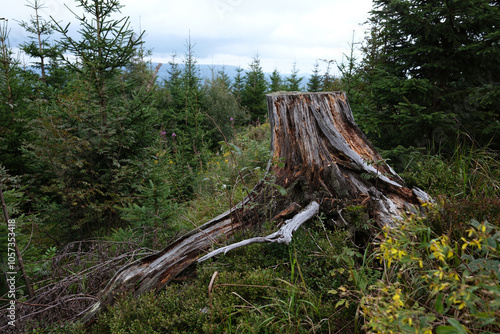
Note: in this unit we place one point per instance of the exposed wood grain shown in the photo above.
(154, 271)
(316, 137)
(282, 236)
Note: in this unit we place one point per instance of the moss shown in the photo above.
(262, 288)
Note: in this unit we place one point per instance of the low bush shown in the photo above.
(434, 284)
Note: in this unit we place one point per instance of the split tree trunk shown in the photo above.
(320, 157)
(323, 150)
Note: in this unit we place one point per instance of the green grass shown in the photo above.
(264, 288)
(323, 282)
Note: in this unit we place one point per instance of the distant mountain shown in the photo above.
(206, 72)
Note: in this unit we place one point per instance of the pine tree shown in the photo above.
(106, 46)
(223, 108)
(173, 84)
(432, 71)
(226, 80)
(190, 126)
(238, 85)
(314, 83)
(276, 81)
(255, 87)
(329, 82)
(16, 94)
(348, 70)
(88, 146)
(39, 47)
(293, 81)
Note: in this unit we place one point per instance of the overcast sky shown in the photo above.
(229, 32)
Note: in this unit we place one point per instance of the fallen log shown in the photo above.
(321, 153)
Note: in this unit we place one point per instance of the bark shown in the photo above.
(323, 161)
(315, 136)
(154, 271)
(153, 77)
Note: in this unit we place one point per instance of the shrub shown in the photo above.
(434, 284)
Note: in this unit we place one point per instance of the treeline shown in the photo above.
(84, 135)
(91, 145)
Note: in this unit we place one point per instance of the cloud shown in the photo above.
(231, 32)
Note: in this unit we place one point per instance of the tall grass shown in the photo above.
(467, 173)
(404, 280)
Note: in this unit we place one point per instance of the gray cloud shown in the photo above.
(231, 32)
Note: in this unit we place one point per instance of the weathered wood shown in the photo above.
(154, 271)
(315, 135)
(282, 236)
(153, 77)
(324, 154)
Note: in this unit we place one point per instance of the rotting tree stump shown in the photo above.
(315, 135)
(322, 154)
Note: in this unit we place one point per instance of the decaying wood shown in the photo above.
(154, 271)
(315, 136)
(282, 236)
(77, 273)
(325, 155)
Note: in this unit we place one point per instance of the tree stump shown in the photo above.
(315, 135)
(320, 157)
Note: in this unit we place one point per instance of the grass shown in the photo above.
(228, 176)
(259, 289)
(403, 280)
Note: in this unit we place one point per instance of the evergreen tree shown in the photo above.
(89, 144)
(255, 87)
(106, 46)
(223, 108)
(39, 47)
(191, 133)
(184, 126)
(432, 71)
(226, 80)
(314, 83)
(173, 84)
(15, 112)
(238, 84)
(329, 82)
(293, 81)
(276, 81)
(348, 70)
(351, 81)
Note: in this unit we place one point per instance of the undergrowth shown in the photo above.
(260, 289)
(432, 274)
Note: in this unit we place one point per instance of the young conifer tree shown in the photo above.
(238, 85)
(224, 77)
(39, 46)
(314, 83)
(294, 80)
(191, 123)
(15, 112)
(276, 81)
(105, 47)
(254, 92)
(90, 143)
